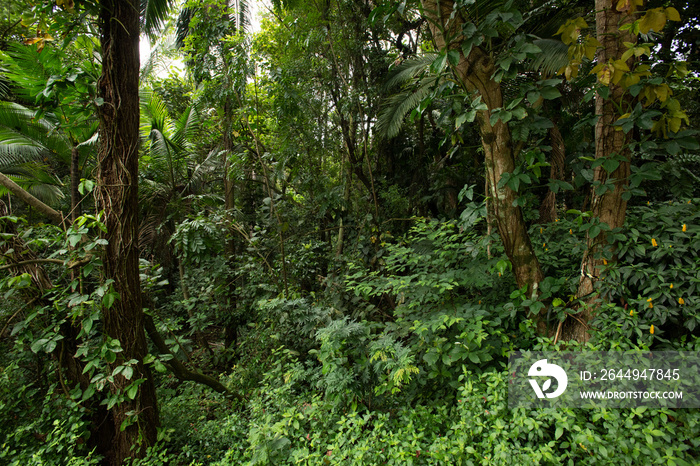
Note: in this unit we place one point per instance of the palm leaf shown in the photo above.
(154, 13)
(24, 138)
(408, 70)
(553, 56)
(391, 117)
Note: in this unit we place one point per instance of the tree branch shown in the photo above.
(15, 189)
(70, 265)
(179, 369)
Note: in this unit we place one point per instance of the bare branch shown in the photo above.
(15, 189)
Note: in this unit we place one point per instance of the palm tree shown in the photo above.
(61, 133)
(171, 175)
(27, 147)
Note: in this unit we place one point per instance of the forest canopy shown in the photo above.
(316, 234)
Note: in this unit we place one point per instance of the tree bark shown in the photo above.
(117, 196)
(475, 72)
(609, 207)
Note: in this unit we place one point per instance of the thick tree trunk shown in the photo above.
(117, 195)
(475, 72)
(609, 207)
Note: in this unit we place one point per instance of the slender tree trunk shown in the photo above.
(232, 321)
(74, 182)
(475, 72)
(608, 207)
(135, 421)
(548, 208)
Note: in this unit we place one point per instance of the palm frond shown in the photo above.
(391, 117)
(552, 58)
(36, 181)
(154, 13)
(189, 123)
(24, 138)
(408, 70)
(201, 170)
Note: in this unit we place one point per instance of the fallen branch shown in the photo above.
(179, 369)
(15, 189)
(70, 265)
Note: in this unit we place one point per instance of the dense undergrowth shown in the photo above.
(401, 359)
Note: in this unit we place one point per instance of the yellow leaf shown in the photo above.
(673, 105)
(672, 14)
(631, 80)
(32, 40)
(660, 127)
(674, 124)
(621, 65)
(571, 30)
(624, 5)
(679, 69)
(662, 92)
(591, 44)
(627, 55)
(639, 51)
(653, 19)
(617, 75)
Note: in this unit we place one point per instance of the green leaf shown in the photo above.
(453, 57)
(519, 113)
(85, 186)
(533, 97)
(550, 93)
(431, 358)
(89, 391)
(459, 121)
(38, 345)
(159, 366)
(128, 372)
(610, 165)
(439, 64)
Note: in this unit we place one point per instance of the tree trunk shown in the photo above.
(475, 72)
(74, 183)
(548, 208)
(117, 196)
(609, 207)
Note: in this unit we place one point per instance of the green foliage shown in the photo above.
(53, 432)
(352, 298)
(656, 279)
